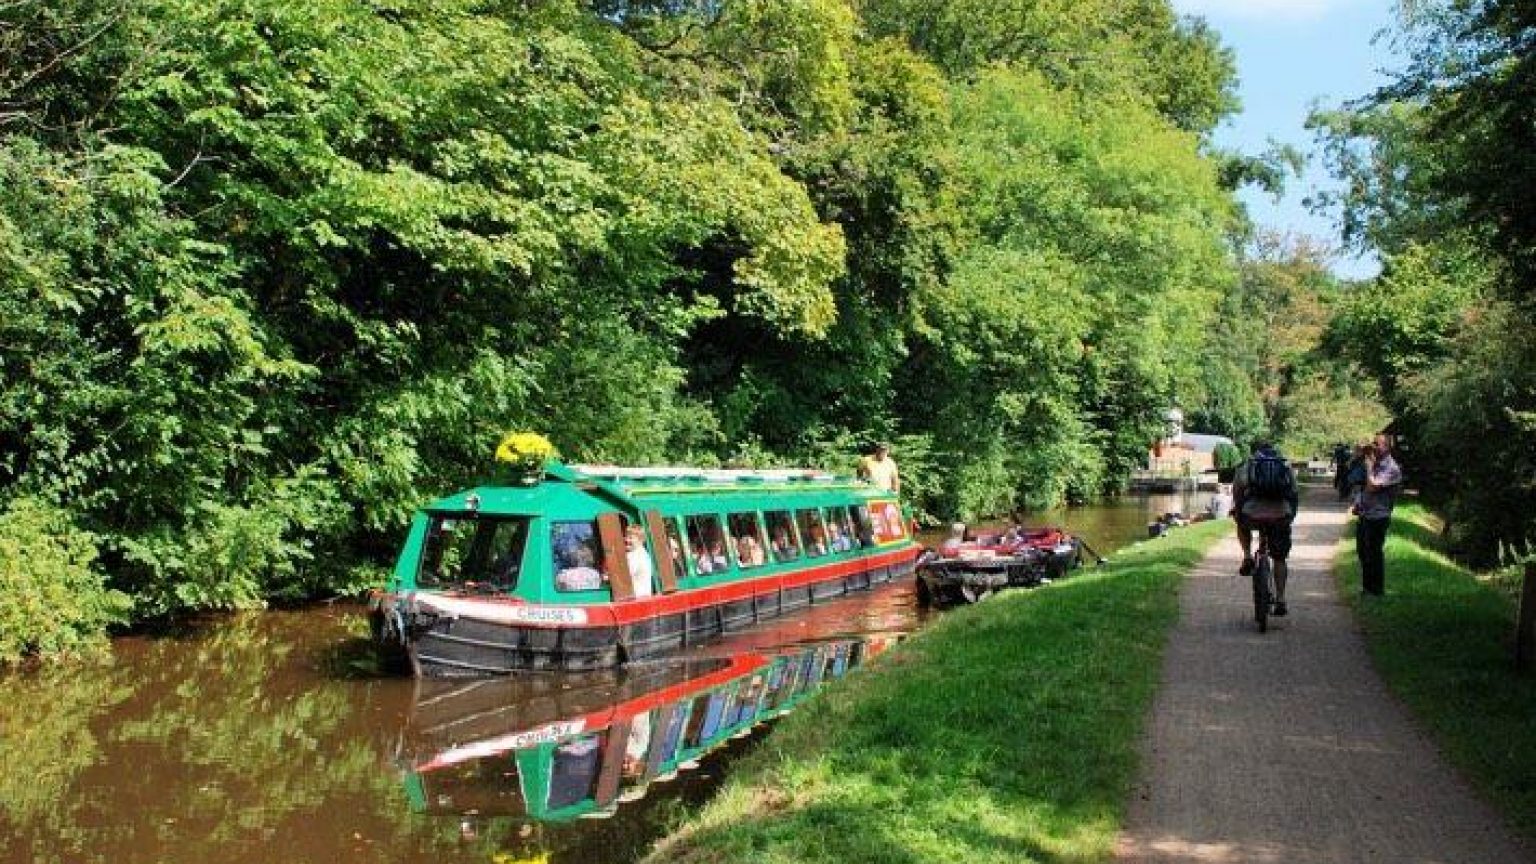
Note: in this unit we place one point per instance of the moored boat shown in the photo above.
(965, 571)
(535, 573)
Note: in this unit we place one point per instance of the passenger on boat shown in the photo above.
(579, 574)
(716, 556)
(639, 561)
(818, 544)
(701, 558)
(839, 540)
(784, 545)
(748, 551)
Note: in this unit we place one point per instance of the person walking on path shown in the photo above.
(1383, 480)
(1287, 747)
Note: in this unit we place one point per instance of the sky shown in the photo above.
(1292, 55)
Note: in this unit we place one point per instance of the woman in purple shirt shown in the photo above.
(1383, 480)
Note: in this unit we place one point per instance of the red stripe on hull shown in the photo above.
(634, 611)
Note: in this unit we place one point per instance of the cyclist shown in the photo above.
(1265, 498)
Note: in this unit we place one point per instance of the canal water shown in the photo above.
(269, 738)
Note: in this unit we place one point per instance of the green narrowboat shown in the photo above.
(585, 567)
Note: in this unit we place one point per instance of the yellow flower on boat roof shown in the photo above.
(526, 449)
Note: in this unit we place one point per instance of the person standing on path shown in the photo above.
(1383, 480)
(880, 469)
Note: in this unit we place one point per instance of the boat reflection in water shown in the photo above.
(490, 748)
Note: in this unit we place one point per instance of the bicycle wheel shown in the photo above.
(1261, 592)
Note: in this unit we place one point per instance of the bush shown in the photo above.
(1227, 457)
(54, 603)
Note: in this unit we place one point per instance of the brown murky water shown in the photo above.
(267, 738)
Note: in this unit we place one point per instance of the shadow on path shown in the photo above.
(1285, 746)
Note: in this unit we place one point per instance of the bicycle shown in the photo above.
(1263, 582)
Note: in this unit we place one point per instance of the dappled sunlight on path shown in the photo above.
(1286, 746)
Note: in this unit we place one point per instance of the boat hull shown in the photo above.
(470, 638)
(955, 581)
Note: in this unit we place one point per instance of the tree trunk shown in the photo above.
(1525, 631)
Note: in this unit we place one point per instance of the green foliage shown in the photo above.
(56, 603)
(1050, 354)
(1227, 456)
(1099, 48)
(1319, 410)
(272, 274)
(1401, 324)
(1436, 166)
(1476, 415)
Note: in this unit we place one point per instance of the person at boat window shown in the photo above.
(836, 539)
(781, 531)
(749, 546)
(880, 469)
(706, 545)
(864, 527)
(580, 572)
(784, 545)
(701, 562)
(716, 554)
(639, 560)
(812, 532)
(749, 552)
(818, 543)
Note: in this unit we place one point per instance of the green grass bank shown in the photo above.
(1443, 639)
(1004, 731)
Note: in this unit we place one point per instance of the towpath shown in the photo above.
(1287, 747)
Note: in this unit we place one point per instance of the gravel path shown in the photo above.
(1286, 747)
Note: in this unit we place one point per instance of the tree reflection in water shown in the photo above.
(241, 742)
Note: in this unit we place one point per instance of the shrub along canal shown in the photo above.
(267, 737)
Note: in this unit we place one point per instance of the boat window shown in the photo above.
(698, 714)
(887, 520)
(675, 545)
(673, 745)
(473, 552)
(706, 545)
(747, 536)
(813, 532)
(577, 555)
(574, 771)
(840, 534)
(637, 750)
(863, 529)
(781, 535)
(864, 525)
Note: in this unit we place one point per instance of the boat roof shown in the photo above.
(583, 489)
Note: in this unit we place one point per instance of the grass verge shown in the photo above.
(1004, 731)
(1443, 639)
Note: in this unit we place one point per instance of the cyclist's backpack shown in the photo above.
(1268, 477)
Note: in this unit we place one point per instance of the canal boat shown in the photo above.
(969, 570)
(534, 573)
